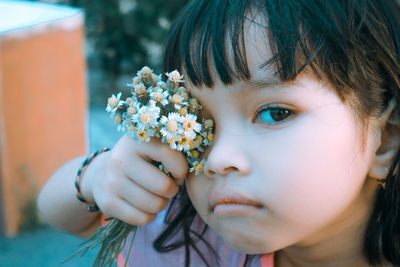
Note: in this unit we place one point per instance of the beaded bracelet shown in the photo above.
(90, 208)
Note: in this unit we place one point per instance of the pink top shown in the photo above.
(143, 253)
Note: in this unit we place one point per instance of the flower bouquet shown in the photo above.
(155, 109)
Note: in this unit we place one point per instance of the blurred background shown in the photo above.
(59, 62)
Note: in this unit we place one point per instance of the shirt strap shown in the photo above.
(267, 260)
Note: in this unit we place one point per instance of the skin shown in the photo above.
(308, 170)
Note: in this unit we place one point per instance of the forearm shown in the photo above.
(58, 204)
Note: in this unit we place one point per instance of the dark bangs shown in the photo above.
(200, 34)
(200, 39)
(350, 43)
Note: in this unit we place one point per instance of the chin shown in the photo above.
(248, 246)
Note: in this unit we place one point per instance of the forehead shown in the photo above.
(257, 48)
(257, 52)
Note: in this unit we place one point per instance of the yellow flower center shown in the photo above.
(188, 125)
(158, 96)
(172, 140)
(184, 141)
(172, 125)
(131, 111)
(113, 102)
(131, 128)
(176, 99)
(199, 167)
(145, 118)
(142, 134)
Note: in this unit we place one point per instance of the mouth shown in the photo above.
(226, 200)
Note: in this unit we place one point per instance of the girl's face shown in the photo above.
(286, 166)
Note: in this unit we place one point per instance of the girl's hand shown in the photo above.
(129, 187)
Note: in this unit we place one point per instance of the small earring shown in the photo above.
(383, 182)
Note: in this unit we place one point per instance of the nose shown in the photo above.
(227, 155)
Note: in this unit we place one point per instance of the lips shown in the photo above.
(228, 196)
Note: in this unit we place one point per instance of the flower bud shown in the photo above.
(176, 99)
(158, 96)
(140, 89)
(146, 71)
(195, 154)
(183, 111)
(182, 89)
(208, 123)
(192, 144)
(113, 101)
(174, 76)
(118, 119)
(131, 111)
(199, 167)
(210, 137)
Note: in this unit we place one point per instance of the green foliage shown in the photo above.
(122, 36)
(123, 31)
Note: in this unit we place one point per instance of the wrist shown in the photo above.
(87, 176)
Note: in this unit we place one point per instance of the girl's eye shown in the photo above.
(272, 114)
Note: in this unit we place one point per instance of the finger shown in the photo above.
(151, 178)
(173, 160)
(120, 209)
(141, 198)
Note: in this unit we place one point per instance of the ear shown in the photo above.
(388, 141)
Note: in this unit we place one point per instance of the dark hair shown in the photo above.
(353, 44)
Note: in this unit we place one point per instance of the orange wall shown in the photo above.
(42, 112)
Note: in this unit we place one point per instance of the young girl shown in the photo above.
(303, 170)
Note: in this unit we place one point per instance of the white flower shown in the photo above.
(171, 126)
(183, 144)
(113, 102)
(198, 166)
(159, 95)
(141, 135)
(146, 117)
(175, 76)
(190, 126)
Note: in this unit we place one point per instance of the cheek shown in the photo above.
(198, 187)
(314, 175)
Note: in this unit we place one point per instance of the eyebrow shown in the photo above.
(259, 85)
